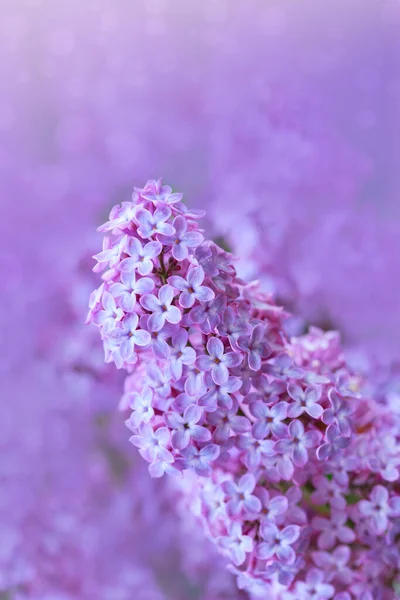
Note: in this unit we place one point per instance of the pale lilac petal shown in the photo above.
(156, 321)
(165, 295)
(204, 294)
(300, 456)
(215, 347)
(178, 282)
(220, 374)
(150, 302)
(186, 299)
(141, 337)
(193, 239)
(195, 277)
(144, 285)
(180, 251)
(173, 315)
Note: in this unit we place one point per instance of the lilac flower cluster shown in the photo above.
(295, 471)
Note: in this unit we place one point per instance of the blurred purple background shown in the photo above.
(281, 119)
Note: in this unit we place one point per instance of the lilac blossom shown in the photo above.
(278, 542)
(328, 492)
(217, 361)
(240, 495)
(181, 239)
(129, 287)
(272, 506)
(126, 337)
(237, 544)
(297, 442)
(153, 223)
(185, 428)
(181, 353)
(333, 445)
(315, 587)
(236, 406)
(379, 508)
(335, 564)
(269, 419)
(255, 346)
(110, 314)
(140, 257)
(333, 530)
(161, 308)
(200, 460)
(338, 413)
(152, 444)
(191, 288)
(304, 401)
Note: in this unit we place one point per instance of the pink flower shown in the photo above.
(161, 308)
(110, 315)
(181, 239)
(152, 444)
(186, 428)
(191, 288)
(269, 419)
(181, 354)
(304, 401)
(379, 508)
(255, 346)
(126, 337)
(277, 542)
(237, 544)
(128, 288)
(217, 361)
(297, 443)
(240, 495)
(156, 223)
(140, 257)
(314, 587)
(333, 530)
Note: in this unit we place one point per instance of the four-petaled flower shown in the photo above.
(304, 401)
(314, 587)
(237, 544)
(277, 542)
(269, 419)
(338, 413)
(181, 353)
(161, 308)
(160, 194)
(186, 428)
(181, 239)
(217, 361)
(191, 288)
(110, 315)
(127, 290)
(297, 443)
(333, 529)
(199, 460)
(152, 444)
(379, 508)
(141, 405)
(334, 443)
(274, 506)
(140, 257)
(255, 346)
(240, 495)
(154, 223)
(282, 367)
(125, 339)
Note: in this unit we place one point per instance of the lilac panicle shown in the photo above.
(287, 460)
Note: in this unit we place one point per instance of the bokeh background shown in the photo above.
(282, 119)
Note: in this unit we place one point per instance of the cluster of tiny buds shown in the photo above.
(296, 474)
